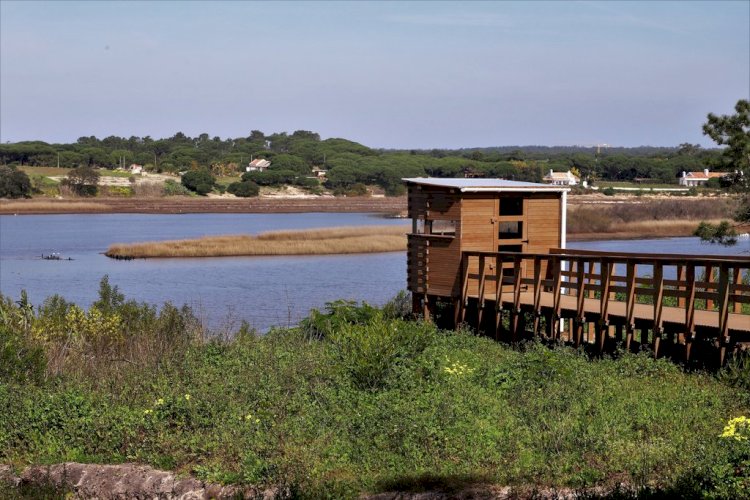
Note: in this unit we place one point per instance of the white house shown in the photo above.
(561, 178)
(319, 172)
(691, 179)
(135, 169)
(258, 165)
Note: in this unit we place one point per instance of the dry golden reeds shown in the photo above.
(51, 206)
(341, 240)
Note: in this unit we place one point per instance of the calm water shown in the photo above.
(265, 291)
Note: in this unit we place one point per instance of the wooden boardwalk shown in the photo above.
(660, 300)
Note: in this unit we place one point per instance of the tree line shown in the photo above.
(350, 165)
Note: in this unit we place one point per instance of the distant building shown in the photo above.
(561, 178)
(319, 172)
(135, 169)
(692, 179)
(258, 165)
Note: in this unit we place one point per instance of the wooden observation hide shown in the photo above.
(452, 216)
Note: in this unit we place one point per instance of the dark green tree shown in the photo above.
(84, 181)
(732, 131)
(244, 189)
(14, 183)
(199, 181)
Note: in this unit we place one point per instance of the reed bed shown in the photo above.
(340, 240)
(49, 206)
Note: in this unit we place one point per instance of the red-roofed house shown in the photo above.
(258, 165)
(691, 179)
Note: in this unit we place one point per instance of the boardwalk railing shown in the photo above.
(669, 295)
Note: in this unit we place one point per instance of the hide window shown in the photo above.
(436, 227)
(511, 205)
(510, 230)
(443, 227)
(510, 248)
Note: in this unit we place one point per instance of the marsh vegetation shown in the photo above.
(357, 399)
(341, 240)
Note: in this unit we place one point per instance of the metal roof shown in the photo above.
(480, 184)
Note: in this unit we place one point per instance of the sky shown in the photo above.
(386, 74)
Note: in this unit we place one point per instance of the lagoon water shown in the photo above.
(264, 291)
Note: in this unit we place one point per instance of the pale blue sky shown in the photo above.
(387, 74)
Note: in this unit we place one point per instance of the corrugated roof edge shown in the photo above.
(484, 185)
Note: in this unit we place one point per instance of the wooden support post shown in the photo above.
(658, 306)
(465, 286)
(681, 275)
(556, 297)
(426, 310)
(723, 311)
(499, 277)
(602, 331)
(517, 320)
(689, 309)
(736, 280)
(480, 292)
(710, 280)
(630, 303)
(580, 320)
(537, 293)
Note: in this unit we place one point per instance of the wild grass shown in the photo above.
(356, 400)
(650, 218)
(342, 240)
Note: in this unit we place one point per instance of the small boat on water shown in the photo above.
(55, 256)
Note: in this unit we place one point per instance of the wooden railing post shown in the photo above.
(689, 309)
(537, 293)
(658, 294)
(499, 278)
(480, 291)
(556, 296)
(465, 287)
(603, 330)
(630, 303)
(723, 311)
(516, 318)
(580, 320)
(710, 280)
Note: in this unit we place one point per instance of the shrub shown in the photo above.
(14, 183)
(84, 181)
(172, 188)
(608, 191)
(244, 189)
(200, 181)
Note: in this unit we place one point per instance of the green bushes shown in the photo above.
(244, 189)
(354, 401)
(199, 181)
(14, 183)
(172, 188)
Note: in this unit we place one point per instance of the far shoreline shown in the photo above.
(395, 207)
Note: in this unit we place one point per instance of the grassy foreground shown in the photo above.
(355, 400)
(341, 240)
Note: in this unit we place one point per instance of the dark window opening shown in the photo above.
(510, 248)
(511, 205)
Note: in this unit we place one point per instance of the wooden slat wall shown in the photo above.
(543, 222)
(477, 212)
(441, 267)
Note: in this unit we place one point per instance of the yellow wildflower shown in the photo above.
(159, 402)
(187, 397)
(737, 428)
